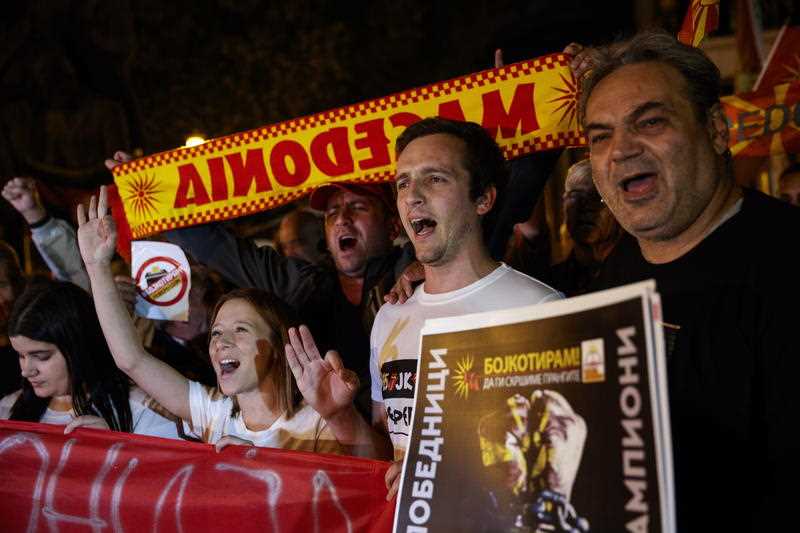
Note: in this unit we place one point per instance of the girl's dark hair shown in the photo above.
(279, 317)
(63, 314)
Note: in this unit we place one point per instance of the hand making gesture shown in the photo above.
(97, 234)
(324, 383)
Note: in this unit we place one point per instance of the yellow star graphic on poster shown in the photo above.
(464, 377)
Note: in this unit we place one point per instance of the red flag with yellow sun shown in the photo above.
(764, 122)
(702, 17)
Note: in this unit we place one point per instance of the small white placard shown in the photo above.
(163, 280)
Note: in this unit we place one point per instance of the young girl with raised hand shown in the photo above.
(69, 376)
(256, 400)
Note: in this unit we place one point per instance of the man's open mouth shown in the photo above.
(637, 182)
(347, 243)
(227, 366)
(423, 226)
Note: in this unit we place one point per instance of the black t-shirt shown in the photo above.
(732, 358)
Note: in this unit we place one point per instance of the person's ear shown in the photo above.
(718, 129)
(485, 201)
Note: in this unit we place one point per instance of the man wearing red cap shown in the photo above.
(360, 223)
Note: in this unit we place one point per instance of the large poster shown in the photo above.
(105, 481)
(542, 419)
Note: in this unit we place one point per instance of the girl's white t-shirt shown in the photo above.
(212, 420)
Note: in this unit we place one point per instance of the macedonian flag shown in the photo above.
(702, 17)
(764, 122)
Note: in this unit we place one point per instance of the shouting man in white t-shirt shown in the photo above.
(448, 177)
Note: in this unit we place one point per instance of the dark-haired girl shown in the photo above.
(69, 376)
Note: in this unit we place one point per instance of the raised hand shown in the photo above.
(97, 234)
(583, 61)
(22, 195)
(118, 158)
(325, 384)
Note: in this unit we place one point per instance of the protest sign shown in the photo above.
(543, 418)
(163, 280)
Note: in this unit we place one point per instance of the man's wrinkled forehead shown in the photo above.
(631, 86)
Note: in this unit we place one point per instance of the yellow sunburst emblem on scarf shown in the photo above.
(568, 101)
(141, 191)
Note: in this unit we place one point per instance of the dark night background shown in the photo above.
(80, 79)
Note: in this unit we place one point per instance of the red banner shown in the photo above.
(96, 481)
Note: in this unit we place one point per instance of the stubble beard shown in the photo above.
(447, 249)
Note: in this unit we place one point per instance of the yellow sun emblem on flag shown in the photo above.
(568, 101)
(464, 378)
(141, 191)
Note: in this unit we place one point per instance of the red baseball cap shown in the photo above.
(383, 191)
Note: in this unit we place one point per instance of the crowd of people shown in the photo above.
(296, 355)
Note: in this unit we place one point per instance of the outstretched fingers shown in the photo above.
(309, 346)
(93, 208)
(294, 362)
(102, 203)
(297, 346)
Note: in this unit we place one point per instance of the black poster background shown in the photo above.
(599, 493)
